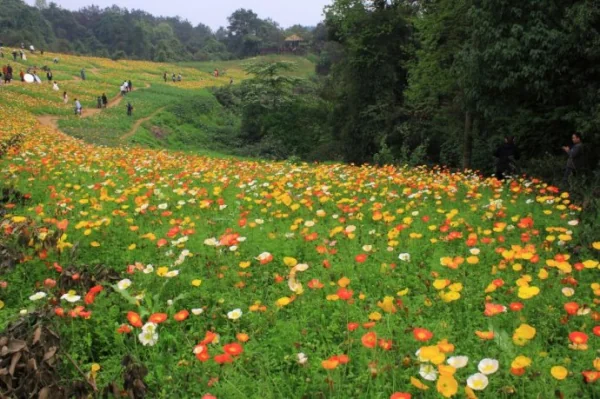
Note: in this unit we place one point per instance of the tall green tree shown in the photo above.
(372, 77)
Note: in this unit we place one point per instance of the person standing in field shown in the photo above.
(55, 87)
(22, 75)
(78, 107)
(165, 77)
(99, 102)
(507, 153)
(129, 86)
(576, 160)
(49, 75)
(82, 73)
(173, 77)
(9, 74)
(14, 53)
(129, 109)
(104, 100)
(65, 98)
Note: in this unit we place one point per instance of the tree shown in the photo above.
(372, 77)
(41, 4)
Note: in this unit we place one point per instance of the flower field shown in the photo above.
(235, 278)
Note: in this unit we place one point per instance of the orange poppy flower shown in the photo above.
(234, 349)
(134, 319)
(517, 371)
(124, 329)
(242, 337)
(590, 376)
(422, 334)
(343, 359)
(385, 344)
(209, 338)
(352, 326)
(516, 306)
(158, 318)
(315, 284)
(181, 315)
(401, 395)
(369, 340)
(330, 363)
(486, 335)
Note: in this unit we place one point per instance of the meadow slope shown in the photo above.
(248, 279)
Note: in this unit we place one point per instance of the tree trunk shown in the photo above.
(468, 141)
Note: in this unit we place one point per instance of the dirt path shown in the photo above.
(138, 123)
(52, 120)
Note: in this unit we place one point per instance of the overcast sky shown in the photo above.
(214, 13)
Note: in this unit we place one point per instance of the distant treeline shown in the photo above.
(117, 32)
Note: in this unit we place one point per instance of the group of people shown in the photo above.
(173, 77)
(508, 153)
(126, 87)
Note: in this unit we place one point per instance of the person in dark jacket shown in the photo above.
(129, 109)
(49, 75)
(506, 154)
(576, 160)
(104, 100)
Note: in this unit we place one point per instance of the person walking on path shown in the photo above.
(576, 160)
(104, 100)
(129, 85)
(507, 153)
(129, 109)
(165, 77)
(82, 73)
(99, 102)
(78, 107)
(65, 98)
(9, 74)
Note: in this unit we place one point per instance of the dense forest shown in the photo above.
(397, 81)
(117, 33)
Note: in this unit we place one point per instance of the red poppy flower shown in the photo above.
(401, 395)
(517, 371)
(223, 358)
(352, 326)
(516, 306)
(343, 359)
(361, 258)
(234, 349)
(369, 340)
(134, 319)
(60, 312)
(596, 331)
(315, 284)
(208, 396)
(578, 337)
(571, 307)
(422, 334)
(345, 294)
(590, 376)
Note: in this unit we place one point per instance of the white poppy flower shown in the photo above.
(474, 251)
(458, 361)
(488, 366)
(234, 314)
(405, 257)
(71, 297)
(163, 206)
(197, 311)
(172, 273)
(302, 359)
(37, 296)
(477, 382)
(148, 269)
(124, 284)
(428, 372)
(148, 338)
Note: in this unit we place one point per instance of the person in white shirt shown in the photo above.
(55, 87)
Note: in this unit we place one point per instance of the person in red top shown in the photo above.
(22, 75)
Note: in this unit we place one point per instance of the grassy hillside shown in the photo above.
(171, 274)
